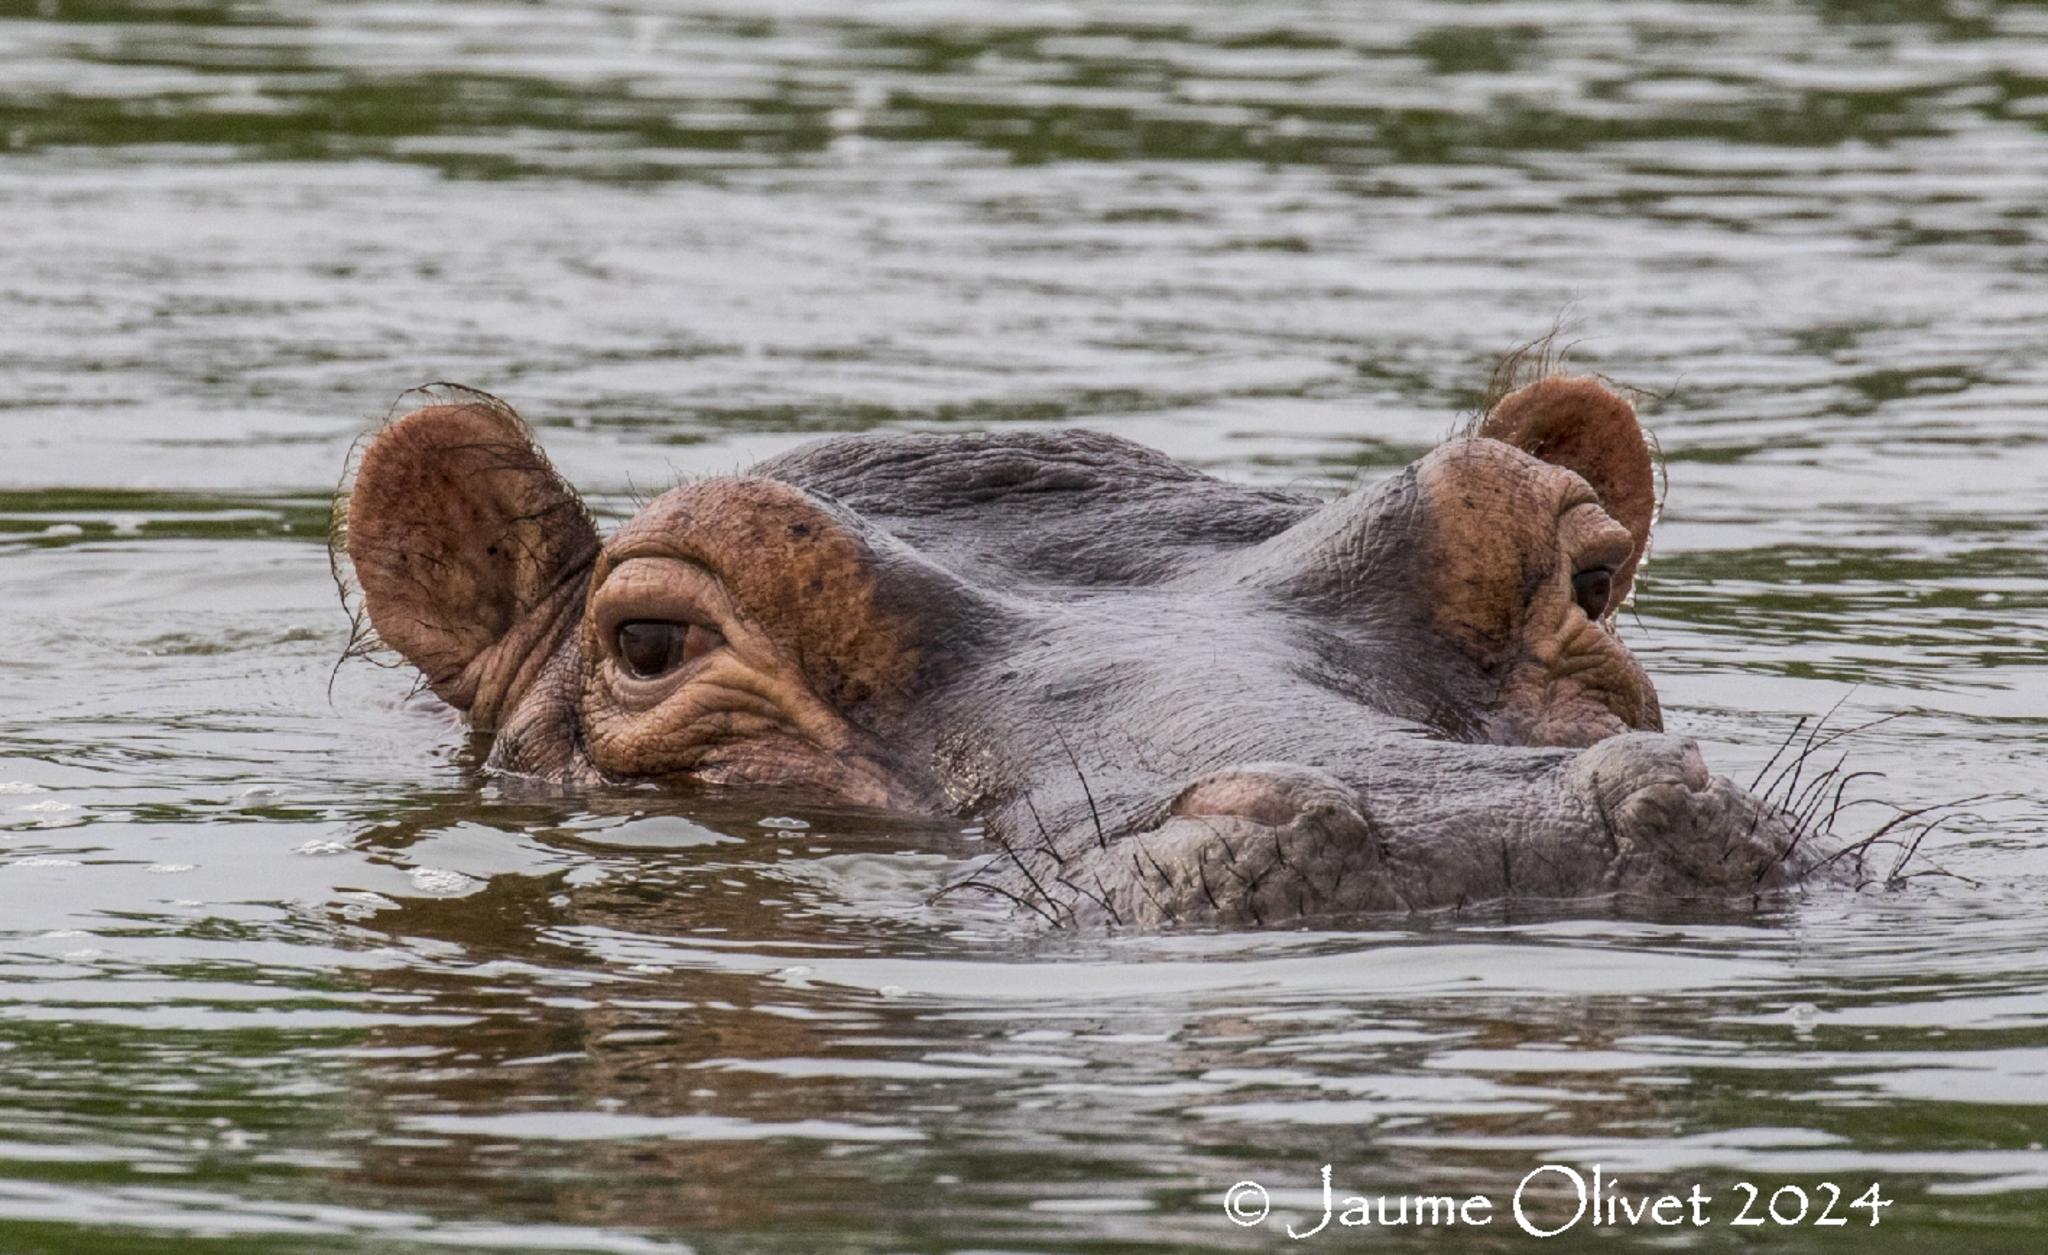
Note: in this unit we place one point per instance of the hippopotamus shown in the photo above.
(1164, 697)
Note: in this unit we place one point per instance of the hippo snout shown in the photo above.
(1677, 829)
(1638, 814)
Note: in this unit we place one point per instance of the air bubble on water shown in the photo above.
(891, 991)
(260, 790)
(10, 788)
(63, 529)
(783, 821)
(440, 880)
(559, 901)
(64, 934)
(797, 975)
(41, 860)
(361, 904)
(170, 869)
(51, 807)
(321, 848)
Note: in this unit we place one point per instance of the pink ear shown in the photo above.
(469, 549)
(1586, 427)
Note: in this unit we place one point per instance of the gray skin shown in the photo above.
(1169, 698)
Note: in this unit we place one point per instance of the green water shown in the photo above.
(282, 971)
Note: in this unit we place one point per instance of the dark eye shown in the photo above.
(652, 647)
(1592, 590)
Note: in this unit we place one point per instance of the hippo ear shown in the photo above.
(1584, 426)
(471, 553)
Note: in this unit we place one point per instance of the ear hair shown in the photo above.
(455, 543)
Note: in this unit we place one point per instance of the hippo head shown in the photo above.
(1168, 697)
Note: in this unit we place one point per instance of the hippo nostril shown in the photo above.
(1625, 768)
(1241, 797)
(1273, 794)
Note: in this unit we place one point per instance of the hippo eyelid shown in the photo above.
(1593, 538)
(1579, 494)
(659, 589)
(655, 618)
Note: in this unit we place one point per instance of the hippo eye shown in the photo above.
(652, 647)
(1592, 589)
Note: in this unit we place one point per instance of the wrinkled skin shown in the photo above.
(1170, 698)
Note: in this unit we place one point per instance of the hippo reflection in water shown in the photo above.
(1168, 697)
